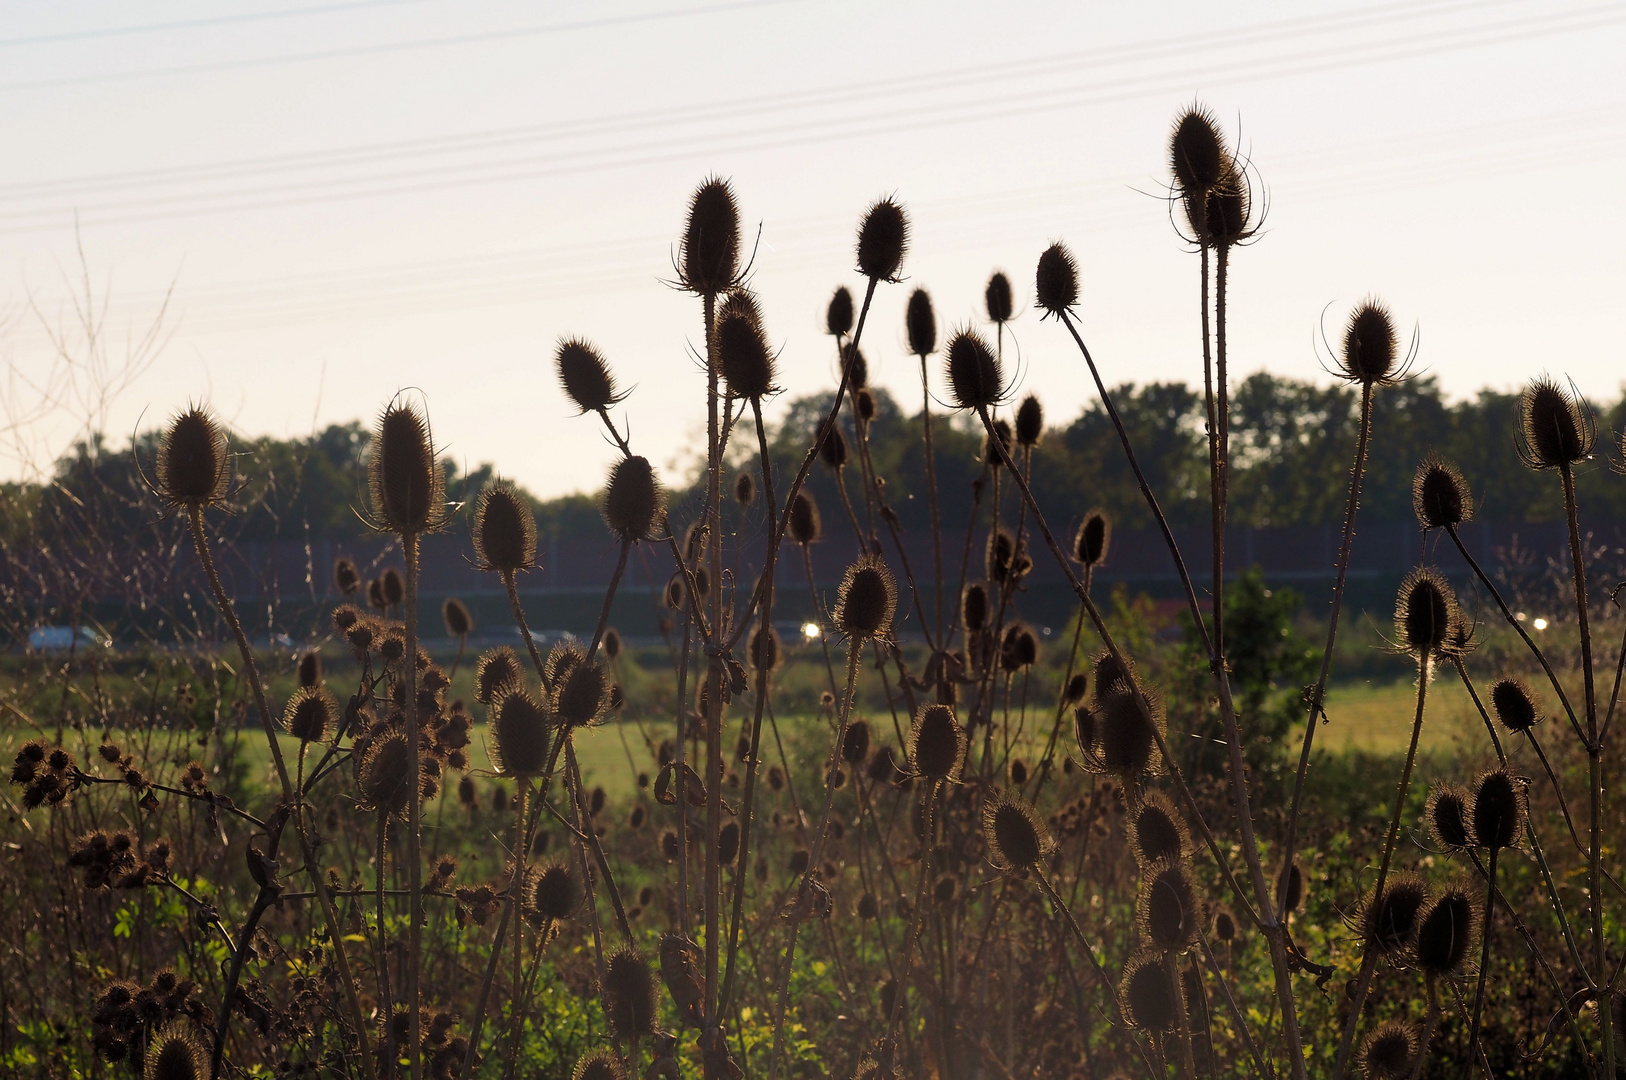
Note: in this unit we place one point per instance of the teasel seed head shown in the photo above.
(1149, 996)
(585, 376)
(1371, 348)
(1006, 562)
(833, 450)
(504, 529)
(1112, 676)
(1446, 932)
(975, 380)
(554, 891)
(311, 714)
(1126, 733)
(518, 732)
(1425, 612)
(865, 401)
(1167, 908)
(857, 367)
(394, 585)
(728, 844)
(375, 594)
(1197, 154)
(581, 692)
(867, 599)
(176, 1055)
(974, 607)
(1156, 830)
(1093, 537)
(936, 742)
(1225, 926)
(766, 649)
(1440, 496)
(1514, 704)
(1077, 686)
(711, 240)
(599, 1065)
(921, 323)
(745, 488)
(1389, 921)
(743, 353)
(1448, 814)
(1016, 837)
(388, 772)
(194, 461)
(1555, 427)
(1056, 281)
(1029, 422)
(805, 527)
(855, 743)
(629, 994)
(883, 238)
(997, 297)
(345, 577)
(1290, 885)
(455, 613)
(633, 500)
(611, 644)
(406, 481)
(1389, 1051)
(1228, 209)
(496, 671)
(993, 441)
(1499, 809)
(838, 316)
(310, 668)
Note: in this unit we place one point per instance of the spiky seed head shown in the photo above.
(1448, 814)
(599, 1065)
(496, 670)
(833, 450)
(388, 772)
(612, 644)
(867, 599)
(1167, 908)
(629, 994)
(865, 400)
(1499, 809)
(1446, 932)
(582, 693)
(1016, 838)
(1149, 995)
(407, 483)
(1425, 611)
(1224, 926)
(745, 488)
(1056, 280)
(375, 593)
(975, 380)
(855, 365)
(345, 576)
(883, 238)
(1290, 886)
(555, 891)
(1126, 733)
(1197, 154)
(974, 607)
(855, 743)
(1018, 772)
(633, 500)
(1156, 830)
(838, 317)
(1555, 428)
(921, 323)
(936, 742)
(455, 613)
(585, 375)
(728, 844)
(1514, 704)
(1094, 536)
(1388, 1052)
(394, 585)
(1389, 920)
(1228, 209)
(1029, 422)
(310, 668)
(1005, 562)
(997, 297)
(311, 714)
(176, 1055)
(1112, 675)
(1440, 496)
(504, 529)
(742, 350)
(194, 462)
(996, 439)
(805, 526)
(518, 731)
(711, 239)
(1371, 353)
(765, 648)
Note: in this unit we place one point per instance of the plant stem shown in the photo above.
(1484, 960)
(409, 545)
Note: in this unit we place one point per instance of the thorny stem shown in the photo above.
(1231, 1006)
(1222, 447)
(1484, 959)
(516, 903)
(931, 491)
(1432, 1022)
(330, 915)
(381, 946)
(916, 915)
(409, 546)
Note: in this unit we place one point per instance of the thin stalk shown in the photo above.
(1188, 1065)
(409, 546)
(1484, 959)
(1222, 451)
(381, 945)
(931, 493)
(916, 915)
(522, 848)
(1432, 1022)
(1237, 1018)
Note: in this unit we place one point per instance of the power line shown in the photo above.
(196, 24)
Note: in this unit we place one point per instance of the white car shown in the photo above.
(58, 639)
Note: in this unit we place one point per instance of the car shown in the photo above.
(60, 639)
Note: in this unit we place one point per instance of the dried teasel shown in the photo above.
(866, 600)
(175, 1054)
(997, 438)
(1018, 648)
(743, 353)
(804, 524)
(1225, 926)
(1127, 726)
(393, 585)
(1389, 1051)
(838, 316)
(936, 742)
(1167, 909)
(1228, 210)
(765, 648)
(496, 671)
(310, 668)
(1077, 686)
(974, 376)
(1029, 422)
(855, 743)
(864, 400)
(728, 844)
(311, 714)
(1056, 281)
(883, 238)
(585, 376)
(629, 994)
(581, 691)
(1556, 429)
(1156, 830)
(1445, 933)
(745, 488)
(1514, 704)
(1150, 998)
(599, 1065)
(554, 891)
(997, 298)
(611, 643)
(1425, 612)
(1499, 809)
(920, 322)
(1093, 537)
(518, 731)
(345, 576)
(406, 482)
(455, 614)
(1371, 352)
(633, 500)
(1197, 155)
(194, 461)
(388, 771)
(504, 529)
(833, 448)
(974, 607)
(1448, 814)
(1439, 495)
(1016, 838)
(710, 258)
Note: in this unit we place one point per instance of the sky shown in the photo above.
(293, 213)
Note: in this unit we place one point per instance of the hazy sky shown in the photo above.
(348, 198)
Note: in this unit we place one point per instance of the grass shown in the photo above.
(1374, 716)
